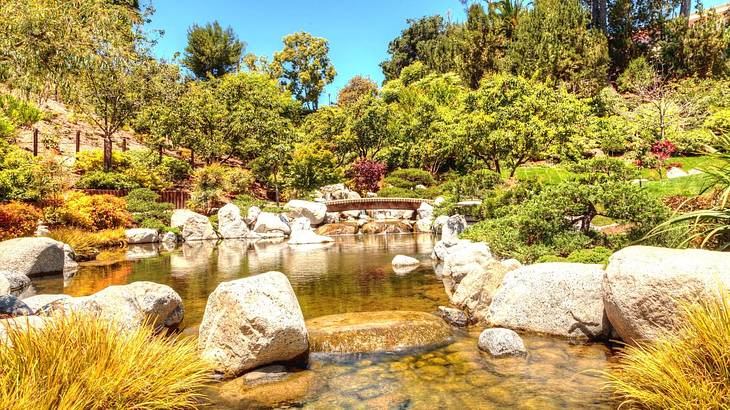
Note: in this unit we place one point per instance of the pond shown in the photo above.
(354, 274)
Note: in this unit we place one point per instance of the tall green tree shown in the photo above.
(553, 42)
(358, 87)
(304, 67)
(412, 44)
(212, 50)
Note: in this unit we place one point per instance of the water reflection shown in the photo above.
(351, 274)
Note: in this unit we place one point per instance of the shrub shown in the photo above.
(93, 160)
(92, 212)
(20, 112)
(106, 180)
(18, 219)
(80, 362)
(687, 367)
(414, 175)
(174, 170)
(366, 174)
(209, 185)
(599, 255)
(146, 211)
(637, 77)
(87, 245)
(238, 181)
(26, 178)
(312, 166)
(473, 185)
(7, 129)
(246, 201)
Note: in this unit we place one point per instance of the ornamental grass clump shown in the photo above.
(688, 368)
(80, 362)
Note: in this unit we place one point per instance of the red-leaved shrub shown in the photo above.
(366, 174)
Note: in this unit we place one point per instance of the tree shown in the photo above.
(370, 128)
(304, 67)
(552, 42)
(512, 120)
(483, 41)
(312, 166)
(212, 51)
(358, 87)
(412, 45)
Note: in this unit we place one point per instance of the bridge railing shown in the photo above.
(341, 205)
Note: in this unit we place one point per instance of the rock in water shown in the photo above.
(425, 211)
(230, 222)
(252, 322)
(385, 227)
(563, 299)
(423, 225)
(403, 261)
(193, 226)
(343, 228)
(455, 225)
(454, 317)
(12, 306)
(371, 332)
(17, 283)
(314, 211)
(502, 342)
(644, 286)
(271, 224)
(307, 237)
(32, 256)
(141, 235)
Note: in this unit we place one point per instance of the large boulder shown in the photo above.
(129, 306)
(314, 211)
(474, 293)
(32, 256)
(141, 235)
(252, 322)
(230, 222)
(343, 228)
(563, 299)
(501, 342)
(455, 225)
(251, 215)
(271, 224)
(371, 332)
(643, 287)
(16, 283)
(423, 225)
(306, 237)
(193, 226)
(425, 211)
(337, 191)
(38, 303)
(12, 306)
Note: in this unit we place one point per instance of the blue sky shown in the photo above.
(358, 31)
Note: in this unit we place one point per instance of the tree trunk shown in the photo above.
(685, 8)
(599, 15)
(107, 153)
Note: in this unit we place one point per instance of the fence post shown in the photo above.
(35, 142)
(192, 158)
(124, 144)
(78, 141)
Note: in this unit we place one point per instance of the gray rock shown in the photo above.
(438, 223)
(332, 218)
(17, 283)
(20, 323)
(644, 287)
(563, 299)
(32, 256)
(230, 223)
(4, 286)
(252, 322)
(37, 303)
(314, 211)
(268, 223)
(454, 317)
(403, 260)
(169, 238)
(502, 342)
(11, 305)
(423, 225)
(141, 235)
(251, 215)
(307, 237)
(193, 226)
(455, 225)
(675, 172)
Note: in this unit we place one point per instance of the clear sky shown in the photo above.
(358, 31)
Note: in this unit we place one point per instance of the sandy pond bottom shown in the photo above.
(354, 275)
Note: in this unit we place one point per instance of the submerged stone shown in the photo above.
(386, 227)
(370, 332)
(338, 229)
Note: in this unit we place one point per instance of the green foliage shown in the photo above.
(407, 48)
(474, 185)
(212, 50)
(312, 166)
(130, 169)
(146, 211)
(413, 177)
(25, 178)
(214, 184)
(598, 255)
(106, 180)
(358, 87)
(304, 67)
(552, 43)
(638, 77)
(21, 113)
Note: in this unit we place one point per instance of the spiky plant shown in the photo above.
(706, 228)
(79, 362)
(685, 369)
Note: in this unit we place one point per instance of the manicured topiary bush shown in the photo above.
(146, 211)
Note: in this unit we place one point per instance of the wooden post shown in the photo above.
(35, 142)
(192, 158)
(124, 144)
(78, 141)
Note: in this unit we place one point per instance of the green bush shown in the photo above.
(20, 112)
(246, 201)
(7, 129)
(414, 176)
(473, 185)
(27, 178)
(599, 254)
(238, 181)
(146, 211)
(174, 170)
(106, 180)
(638, 76)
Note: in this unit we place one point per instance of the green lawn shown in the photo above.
(548, 174)
(688, 163)
(686, 186)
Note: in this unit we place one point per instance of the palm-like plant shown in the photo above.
(509, 12)
(710, 228)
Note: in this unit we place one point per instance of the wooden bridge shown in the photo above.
(405, 204)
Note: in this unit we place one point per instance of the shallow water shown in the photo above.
(354, 274)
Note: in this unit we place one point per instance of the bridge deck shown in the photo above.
(342, 205)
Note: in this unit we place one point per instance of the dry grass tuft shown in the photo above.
(689, 368)
(78, 362)
(86, 244)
